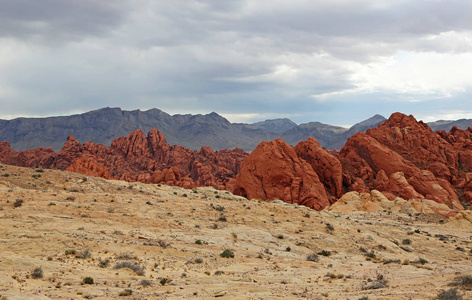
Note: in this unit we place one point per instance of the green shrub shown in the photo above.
(87, 280)
(227, 253)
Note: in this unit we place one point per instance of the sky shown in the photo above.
(337, 62)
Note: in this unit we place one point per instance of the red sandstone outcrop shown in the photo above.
(87, 166)
(401, 144)
(136, 157)
(327, 167)
(274, 171)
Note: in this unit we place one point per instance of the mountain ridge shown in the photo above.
(191, 131)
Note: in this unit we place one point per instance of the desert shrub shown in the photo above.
(198, 260)
(406, 242)
(130, 265)
(18, 203)
(163, 244)
(227, 253)
(70, 252)
(379, 283)
(87, 280)
(392, 261)
(370, 254)
(145, 282)
(329, 227)
(462, 281)
(222, 218)
(324, 253)
(104, 263)
(451, 294)
(37, 273)
(84, 254)
(312, 257)
(165, 281)
(198, 242)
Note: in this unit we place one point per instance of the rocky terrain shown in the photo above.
(71, 236)
(191, 131)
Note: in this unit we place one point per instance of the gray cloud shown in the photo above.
(241, 56)
(59, 20)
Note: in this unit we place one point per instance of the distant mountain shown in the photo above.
(447, 124)
(277, 125)
(327, 135)
(191, 131)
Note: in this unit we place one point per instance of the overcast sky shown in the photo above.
(337, 61)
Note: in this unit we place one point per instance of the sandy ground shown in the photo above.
(141, 241)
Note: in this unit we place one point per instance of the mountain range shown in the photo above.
(191, 131)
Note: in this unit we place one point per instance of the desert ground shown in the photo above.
(68, 236)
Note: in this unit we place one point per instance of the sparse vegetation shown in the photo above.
(329, 227)
(165, 281)
(87, 280)
(450, 294)
(379, 283)
(104, 263)
(145, 282)
(37, 273)
(324, 253)
(312, 257)
(464, 281)
(18, 203)
(130, 265)
(227, 253)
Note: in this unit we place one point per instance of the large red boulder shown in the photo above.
(274, 171)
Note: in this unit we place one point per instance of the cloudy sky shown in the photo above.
(336, 61)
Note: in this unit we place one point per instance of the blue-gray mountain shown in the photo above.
(191, 131)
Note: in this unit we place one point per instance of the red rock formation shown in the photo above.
(327, 167)
(401, 144)
(90, 167)
(137, 158)
(274, 171)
